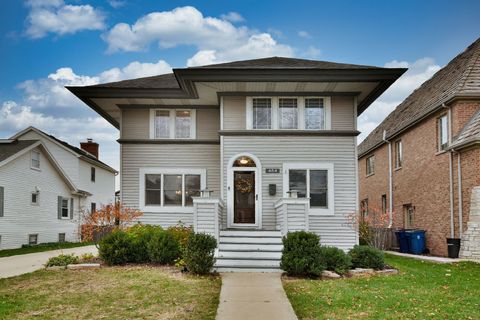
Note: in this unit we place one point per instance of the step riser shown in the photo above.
(249, 255)
(250, 247)
(250, 240)
(235, 233)
(224, 269)
(248, 263)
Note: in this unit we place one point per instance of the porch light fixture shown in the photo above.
(243, 160)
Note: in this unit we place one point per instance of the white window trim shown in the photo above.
(172, 113)
(31, 160)
(68, 209)
(327, 107)
(38, 198)
(330, 211)
(168, 209)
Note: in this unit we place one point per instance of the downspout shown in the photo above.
(460, 200)
(390, 182)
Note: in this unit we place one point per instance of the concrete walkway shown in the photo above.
(428, 258)
(26, 263)
(253, 296)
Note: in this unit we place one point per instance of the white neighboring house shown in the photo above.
(45, 185)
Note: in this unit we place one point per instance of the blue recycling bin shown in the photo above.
(417, 241)
(403, 240)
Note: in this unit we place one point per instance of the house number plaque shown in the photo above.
(272, 170)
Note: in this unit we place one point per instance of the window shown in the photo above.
(262, 113)
(64, 207)
(314, 114)
(287, 113)
(32, 239)
(35, 198)
(93, 207)
(370, 165)
(35, 163)
(442, 132)
(364, 209)
(166, 189)
(398, 154)
(384, 203)
(314, 181)
(170, 124)
(408, 210)
(92, 174)
(61, 237)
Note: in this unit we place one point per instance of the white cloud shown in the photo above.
(117, 3)
(217, 39)
(232, 17)
(304, 34)
(312, 52)
(54, 16)
(418, 72)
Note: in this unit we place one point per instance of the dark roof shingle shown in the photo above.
(9, 149)
(470, 132)
(460, 77)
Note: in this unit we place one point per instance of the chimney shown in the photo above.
(90, 146)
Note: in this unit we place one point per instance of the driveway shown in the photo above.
(25, 263)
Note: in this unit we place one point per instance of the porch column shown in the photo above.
(207, 215)
(292, 214)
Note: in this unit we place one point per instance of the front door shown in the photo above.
(244, 197)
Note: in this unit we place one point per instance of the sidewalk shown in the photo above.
(25, 263)
(253, 296)
(428, 258)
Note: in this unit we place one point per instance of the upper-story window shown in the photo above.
(370, 165)
(172, 124)
(442, 132)
(35, 159)
(398, 154)
(288, 113)
(92, 174)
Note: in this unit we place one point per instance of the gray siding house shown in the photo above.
(246, 151)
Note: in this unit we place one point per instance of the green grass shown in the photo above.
(132, 292)
(422, 290)
(42, 247)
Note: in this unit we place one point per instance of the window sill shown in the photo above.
(440, 152)
(369, 175)
(397, 168)
(36, 169)
(172, 209)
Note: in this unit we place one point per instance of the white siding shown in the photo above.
(21, 218)
(194, 156)
(274, 151)
(234, 113)
(343, 113)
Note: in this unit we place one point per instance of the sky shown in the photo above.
(48, 44)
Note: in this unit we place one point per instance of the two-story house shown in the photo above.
(422, 162)
(46, 185)
(246, 150)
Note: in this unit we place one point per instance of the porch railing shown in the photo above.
(207, 215)
(292, 214)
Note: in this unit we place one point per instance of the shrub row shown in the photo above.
(145, 243)
(304, 256)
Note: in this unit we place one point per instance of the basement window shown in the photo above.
(32, 239)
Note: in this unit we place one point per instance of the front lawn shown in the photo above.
(422, 290)
(134, 292)
(42, 247)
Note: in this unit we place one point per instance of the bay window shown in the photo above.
(170, 190)
(172, 124)
(288, 113)
(313, 181)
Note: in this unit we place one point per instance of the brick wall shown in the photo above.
(423, 179)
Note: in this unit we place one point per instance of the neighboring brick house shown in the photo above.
(433, 142)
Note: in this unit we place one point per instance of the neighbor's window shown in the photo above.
(398, 154)
(364, 209)
(35, 197)
(314, 114)
(64, 208)
(165, 189)
(32, 239)
(312, 182)
(262, 113)
(370, 165)
(384, 203)
(442, 132)
(93, 207)
(92, 174)
(287, 113)
(35, 163)
(408, 212)
(61, 237)
(170, 124)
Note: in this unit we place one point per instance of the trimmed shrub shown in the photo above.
(199, 253)
(301, 254)
(163, 248)
(62, 260)
(140, 236)
(367, 257)
(181, 233)
(335, 259)
(115, 248)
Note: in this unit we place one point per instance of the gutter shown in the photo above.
(390, 180)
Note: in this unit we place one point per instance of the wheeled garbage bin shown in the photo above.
(402, 240)
(417, 241)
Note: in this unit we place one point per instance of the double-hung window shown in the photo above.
(35, 159)
(314, 181)
(172, 124)
(64, 206)
(442, 132)
(370, 165)
(398, 154)
(288, 113)
(164, 190)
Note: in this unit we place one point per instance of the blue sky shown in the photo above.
(46, 44)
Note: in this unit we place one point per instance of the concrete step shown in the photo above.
(264, 247)
(246, 240)
(247, 263)
(248, 233)
(250, 254)
(247, 269)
